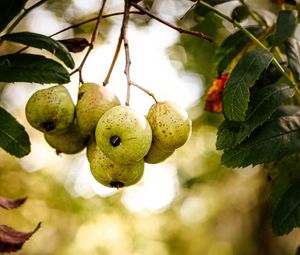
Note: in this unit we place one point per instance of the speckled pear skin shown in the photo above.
(51, 110)
(70, 142)
(110, 173)
(170, 125)
(93, 102)
(155, 155)
(133, 130)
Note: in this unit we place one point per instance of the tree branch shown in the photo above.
(126, 47)
(179, 29)
(92, 42)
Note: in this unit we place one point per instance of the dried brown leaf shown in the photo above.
(7, 203)
(12, 240)
(75, 44)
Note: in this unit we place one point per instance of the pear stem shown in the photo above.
(144, 90)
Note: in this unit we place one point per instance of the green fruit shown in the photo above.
(109, 173)
(123, 135)
(155, 155)
(70, 142)
(51, 110)
(93, 102)
(170, 125)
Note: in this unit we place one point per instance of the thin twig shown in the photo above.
(116, 54)
(179, 29)
(83, 23)
(126, 47)
(119, 44)
(25, 12)
(92, 42)
(94, 19)
(144, 90)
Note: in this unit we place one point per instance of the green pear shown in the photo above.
(123, 135)
(170, 125)
(109, 173)
(51, 110)
(70, 142)
(155, 155)
(93, 102)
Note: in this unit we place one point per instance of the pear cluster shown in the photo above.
(118, 140)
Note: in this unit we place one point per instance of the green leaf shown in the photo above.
(275, 139)
(31, 68)
(236, 92)
(282, 174)
(8, 10)
(240, 13)
(269, 75)
(232, 46)
(262, 104)
(285, 26)
(13, 137)
(42, 42)
(286, 215)
(293, 55)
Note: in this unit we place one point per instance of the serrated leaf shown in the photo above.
(31, 68)
(232, 46)
(285, 26)
(262, 104)
(236, 92)
(275, 139)
(11, 204)
(13, 137)
(286, 215)
(42, 42)
(292, 50)
(8, 10)
(12, 240)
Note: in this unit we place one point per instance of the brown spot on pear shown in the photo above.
(170, 125)
(51, 110)
(123, 135)
(93, 102)
(70, 142)
(155, 155)
(108, 172)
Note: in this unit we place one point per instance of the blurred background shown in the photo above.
(189, 204)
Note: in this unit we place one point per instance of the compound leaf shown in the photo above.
(262, 104)
(275, 139)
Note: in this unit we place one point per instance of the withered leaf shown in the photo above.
(7, 203)
(12, 240)
(75, 44)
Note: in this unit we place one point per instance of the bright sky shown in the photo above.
(151, 68)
